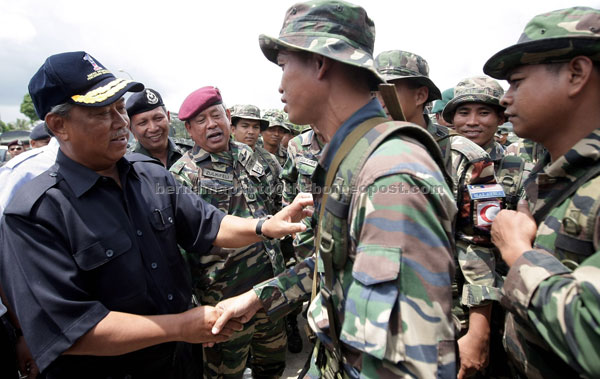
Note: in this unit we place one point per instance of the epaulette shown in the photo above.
(26, 197)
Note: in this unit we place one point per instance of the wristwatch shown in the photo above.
(258, 229)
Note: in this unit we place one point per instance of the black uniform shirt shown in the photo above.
(75, 246)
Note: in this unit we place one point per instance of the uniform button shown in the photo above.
(139, 233)
(52, 174)
(170, 297)
(109, 253)
(154, 265)
(170, 219)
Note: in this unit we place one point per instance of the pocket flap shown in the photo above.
(103, 251)
(376, 264)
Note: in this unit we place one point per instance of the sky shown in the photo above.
(177, 46)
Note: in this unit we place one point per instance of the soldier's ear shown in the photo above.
(421, 95)
(168, 116)
(56, 124)
(323, 64)
(580, 71)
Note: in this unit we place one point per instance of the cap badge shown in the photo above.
(151, 97)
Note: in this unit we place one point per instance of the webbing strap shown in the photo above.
(343, 150)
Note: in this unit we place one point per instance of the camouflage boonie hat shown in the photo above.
(398, 64)
(552, 37)
(277, 118)
(249, 112)
(439, 105)
(478, 89)
(334, 29)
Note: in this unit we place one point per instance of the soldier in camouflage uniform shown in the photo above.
(476, 113)
(303, 153)
(228, 175)
(385, 282)
(274, 133)
(467, 164)
(246, 124)
(553, 287)
(149, 123)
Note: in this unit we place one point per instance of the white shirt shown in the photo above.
(23, 168)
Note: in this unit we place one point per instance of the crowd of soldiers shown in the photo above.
(431, 245)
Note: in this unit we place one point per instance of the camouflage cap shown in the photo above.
(277, 118)
(551, 37)
(398, 64)
(478, 89)
(439, 105)
(334, 29)
(249, 112)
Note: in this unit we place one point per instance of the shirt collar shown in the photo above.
(370, 110)
(577, 160)
(80, 178)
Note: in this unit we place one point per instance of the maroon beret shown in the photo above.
(198, 101)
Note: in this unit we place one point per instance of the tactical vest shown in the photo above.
(332, 238)
(511, 174)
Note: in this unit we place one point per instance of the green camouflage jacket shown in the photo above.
(553, 291)
(303, 152)
(527, 149)
(393, 296)
(175, 152)
(281, 155)
(468, 164)
(239, 184)
(271, 165)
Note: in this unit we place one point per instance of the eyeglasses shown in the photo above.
(18, 148)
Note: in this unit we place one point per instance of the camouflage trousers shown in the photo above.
(266, 343)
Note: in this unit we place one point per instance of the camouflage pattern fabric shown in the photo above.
(271, 164)
(174, 152)
(478, 89)
(550, 37)
(398, 272)
(530, 151)
(264, 339)
(303, 152)
(398, 64)
(476, 283)
(335, 29)
(554, 310)
(238, 183)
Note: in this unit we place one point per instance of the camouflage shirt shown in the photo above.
(393, 297)
(303, 152)
(238, 183)
(271, 164)
(281, 155)
(174, 152)
(556, 310)
(527, 149)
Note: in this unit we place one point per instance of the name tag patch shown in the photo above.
(217, 175)
(485, 191)
(308, 162)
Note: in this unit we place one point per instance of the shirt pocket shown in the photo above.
(112, 270)
(216, 193)
(372, 297)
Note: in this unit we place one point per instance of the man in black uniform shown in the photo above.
(90, 261)
(150, 122)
